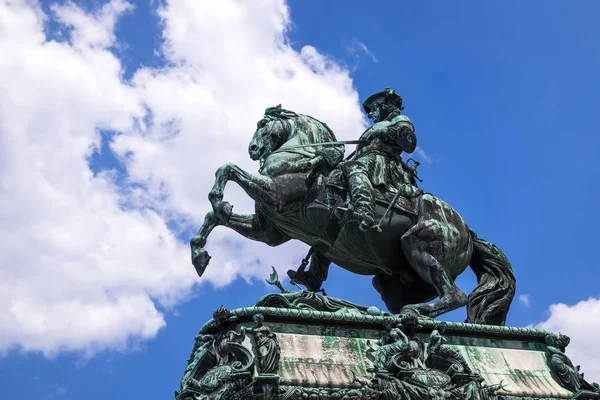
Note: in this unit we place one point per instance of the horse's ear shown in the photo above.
(273, 110)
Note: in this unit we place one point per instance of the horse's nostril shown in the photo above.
(253, 147)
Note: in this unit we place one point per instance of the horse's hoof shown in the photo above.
(200, 261)
(409, 310)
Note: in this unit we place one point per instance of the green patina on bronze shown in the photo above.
(367, 214)
(362, 356)
(311, 316)
(308, 192)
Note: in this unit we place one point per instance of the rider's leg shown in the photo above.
(361, 193)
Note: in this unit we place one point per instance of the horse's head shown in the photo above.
(272, 131)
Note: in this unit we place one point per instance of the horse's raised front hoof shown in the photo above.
(200, 261)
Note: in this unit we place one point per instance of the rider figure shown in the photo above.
(377, 162)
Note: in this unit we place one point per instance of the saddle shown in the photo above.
(405, 201)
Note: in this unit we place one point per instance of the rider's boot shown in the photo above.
(305, 278)
(363, 205)
(361, 193)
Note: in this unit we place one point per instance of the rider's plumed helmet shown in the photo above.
(388, 96)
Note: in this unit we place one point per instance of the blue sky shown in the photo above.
(504, 98)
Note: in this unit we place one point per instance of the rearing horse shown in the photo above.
(415, 259)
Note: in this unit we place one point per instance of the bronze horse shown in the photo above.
(414, 259)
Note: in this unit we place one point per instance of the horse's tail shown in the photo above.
(490, 300)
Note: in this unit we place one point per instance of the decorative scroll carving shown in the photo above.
(309, 300)
(220, 367)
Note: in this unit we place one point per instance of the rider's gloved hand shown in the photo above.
(308, 165)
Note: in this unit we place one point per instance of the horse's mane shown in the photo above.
(277, 112)
(273, 113)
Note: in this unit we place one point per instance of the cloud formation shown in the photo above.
(357, 48)
(525, 299)
(86, 261)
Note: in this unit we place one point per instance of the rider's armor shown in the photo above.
(378, 166)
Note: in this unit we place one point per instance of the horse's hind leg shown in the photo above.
(426, 246)
(391, 290)
(400, 290)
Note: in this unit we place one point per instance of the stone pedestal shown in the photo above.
(293, 353)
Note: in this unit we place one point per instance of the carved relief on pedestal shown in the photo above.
(220, 367)
(563, 370)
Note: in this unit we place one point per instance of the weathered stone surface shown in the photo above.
(521, 365)
(319, 360)
(314, 359)
(333, 355)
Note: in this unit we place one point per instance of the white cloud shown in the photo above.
(420, 154)
(80, 272)
(525, 299)
(216, 104)
(358, 47)
(580, 322)
(94, 30)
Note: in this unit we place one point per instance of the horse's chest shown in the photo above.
(278, 164)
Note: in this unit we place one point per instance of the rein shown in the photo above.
(338, 143)
(302, 146)
(291, 149)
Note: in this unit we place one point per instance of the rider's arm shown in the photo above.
(331, 155)
(402, 134)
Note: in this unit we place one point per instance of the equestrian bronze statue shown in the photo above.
(365, 214)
